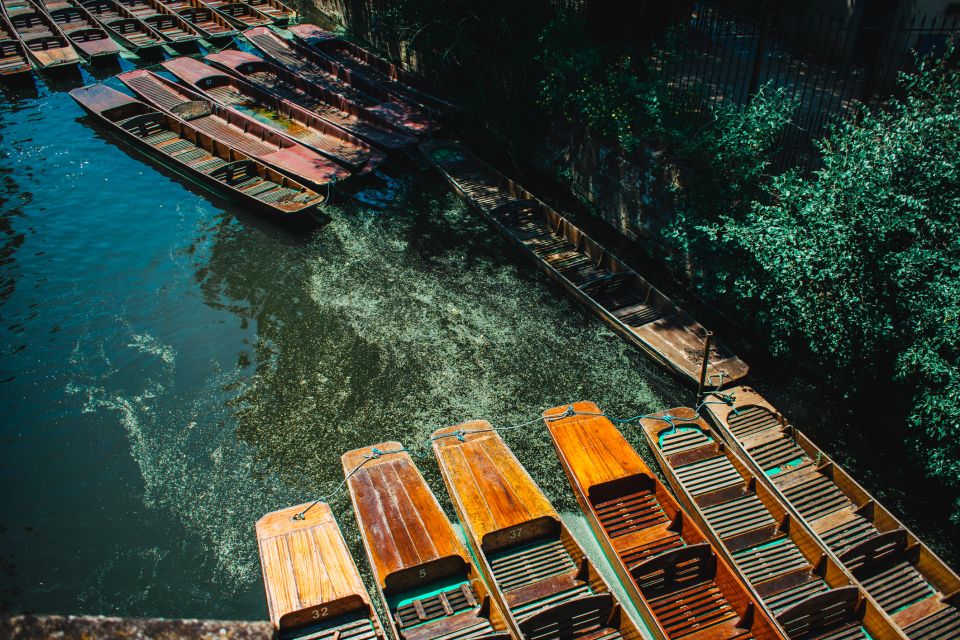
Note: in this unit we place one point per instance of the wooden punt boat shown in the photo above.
(313, 587)
(333, 108)
(197, 156)
(393, 78)
(13, 55)
(244, 133)
(178, 32)
(44, 42)
(280, 13)
(356, 90)
(810, 594)
(919, 592)
(204, 20)
(428, 584)
(301, 125)
(673, 574)
(124, 27)
(239, 14)
(88, 37)
(537, 571)
(621, 297)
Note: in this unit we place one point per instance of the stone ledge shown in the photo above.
(22, 627)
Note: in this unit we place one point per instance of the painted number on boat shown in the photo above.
(423, 573)
(515, 533)
(320, 613)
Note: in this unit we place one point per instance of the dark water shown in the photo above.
(171, 368)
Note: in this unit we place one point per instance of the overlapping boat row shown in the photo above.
(307, 120)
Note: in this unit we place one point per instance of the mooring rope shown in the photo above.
(461, 434)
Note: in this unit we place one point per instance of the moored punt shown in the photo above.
(393, 78)
(124, 27)
(808, 591)
(328, 75)
(196, 155)
(280, 13)
(622, 298)
(246, 134)
(205, 21)
(426, 579)
(89, 38)
(313, 587)
(919, 592)
(13, 55)
(176, 30)
(290, 120)
(537, 571)
(333, 108)
(239, 14)
(673, 574)
(44, 42)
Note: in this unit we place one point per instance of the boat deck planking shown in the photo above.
(288, 119)
(242, 132)
(622, 298)
(13, 54)
(398, 81)
(239, 14)
(425, 576)
(672, 573)
(196, 155)
(313, 67)
(177, 31)
(538, 572)
(43, 41)
(87, 36)
(127, 29)
(810, 594)
(312, 584)
(204, 20)
(919, 592)
(280, 13)
(333, 108)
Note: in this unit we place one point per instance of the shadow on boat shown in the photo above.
(293, 231)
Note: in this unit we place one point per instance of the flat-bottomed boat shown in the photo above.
(428, 584)
(313, 588)
(44, 42)
(208, 23)
(196, 156)
(90, 39)
(13, 55)
(243, 132)
(810, 594)
(304, 126)
(239, 14)
(328, 75)
(178, 32)
(919, 592)
(682, 587)
(330, 106)
(538, 572)
(599, 280)
(124, 27)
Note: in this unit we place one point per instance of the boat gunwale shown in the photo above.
(43, 62)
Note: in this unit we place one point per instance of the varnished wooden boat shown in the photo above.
(313, 587)
(87, 36)
(911, 584)
(672, 573)
(621, 297)
(301, 125)
(810, 594)
(208, 23)
(13, 55)
(124, 27)
(353, 88)
(194, 154)
(44, 42)
(391, 77)
(178, 32)
(245, 133)
(293, 89)
(537, 571)
(239, 14)
(280, 13)
(426, 578)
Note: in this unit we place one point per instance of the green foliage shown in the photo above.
(861, 264)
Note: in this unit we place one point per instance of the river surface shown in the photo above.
(172, 368)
